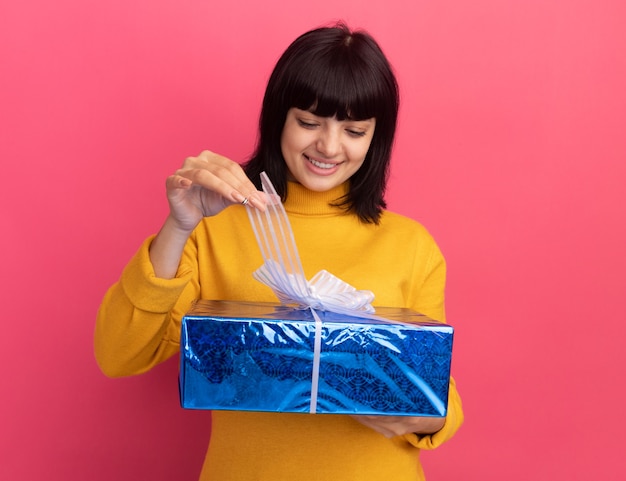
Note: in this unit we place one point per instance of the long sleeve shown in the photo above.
(138, 321)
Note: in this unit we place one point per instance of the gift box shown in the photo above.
(263, 357)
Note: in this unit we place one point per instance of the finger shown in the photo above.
(217, 180)
(374, 422)
(221, 175)
(177, 182)
(260, 200)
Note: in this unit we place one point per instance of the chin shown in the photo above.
(320, 185)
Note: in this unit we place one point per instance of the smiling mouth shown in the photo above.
(320, 165)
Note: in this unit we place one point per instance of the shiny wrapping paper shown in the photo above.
(260, 357)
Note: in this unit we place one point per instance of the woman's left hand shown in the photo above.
(391, 426)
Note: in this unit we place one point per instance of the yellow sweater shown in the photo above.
(138, 326)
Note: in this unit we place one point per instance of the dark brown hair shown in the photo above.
(332, 71)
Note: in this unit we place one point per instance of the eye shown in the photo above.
(307, 124)
(355, 133)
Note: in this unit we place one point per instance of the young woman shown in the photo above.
(326, 132)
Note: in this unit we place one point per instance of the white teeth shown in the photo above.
(321, 165)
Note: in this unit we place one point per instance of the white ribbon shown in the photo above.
(282, 272)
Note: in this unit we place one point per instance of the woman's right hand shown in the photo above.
(204, 186)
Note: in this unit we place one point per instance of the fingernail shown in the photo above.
(257, 203)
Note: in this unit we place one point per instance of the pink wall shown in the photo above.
(511, 149)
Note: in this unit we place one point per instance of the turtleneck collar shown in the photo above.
(301, 200)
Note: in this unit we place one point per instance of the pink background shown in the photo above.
(511, 150)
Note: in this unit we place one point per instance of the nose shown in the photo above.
(329, 141)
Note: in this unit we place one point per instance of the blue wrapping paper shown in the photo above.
(259, 357)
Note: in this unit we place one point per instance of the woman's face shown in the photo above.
(323, 152)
